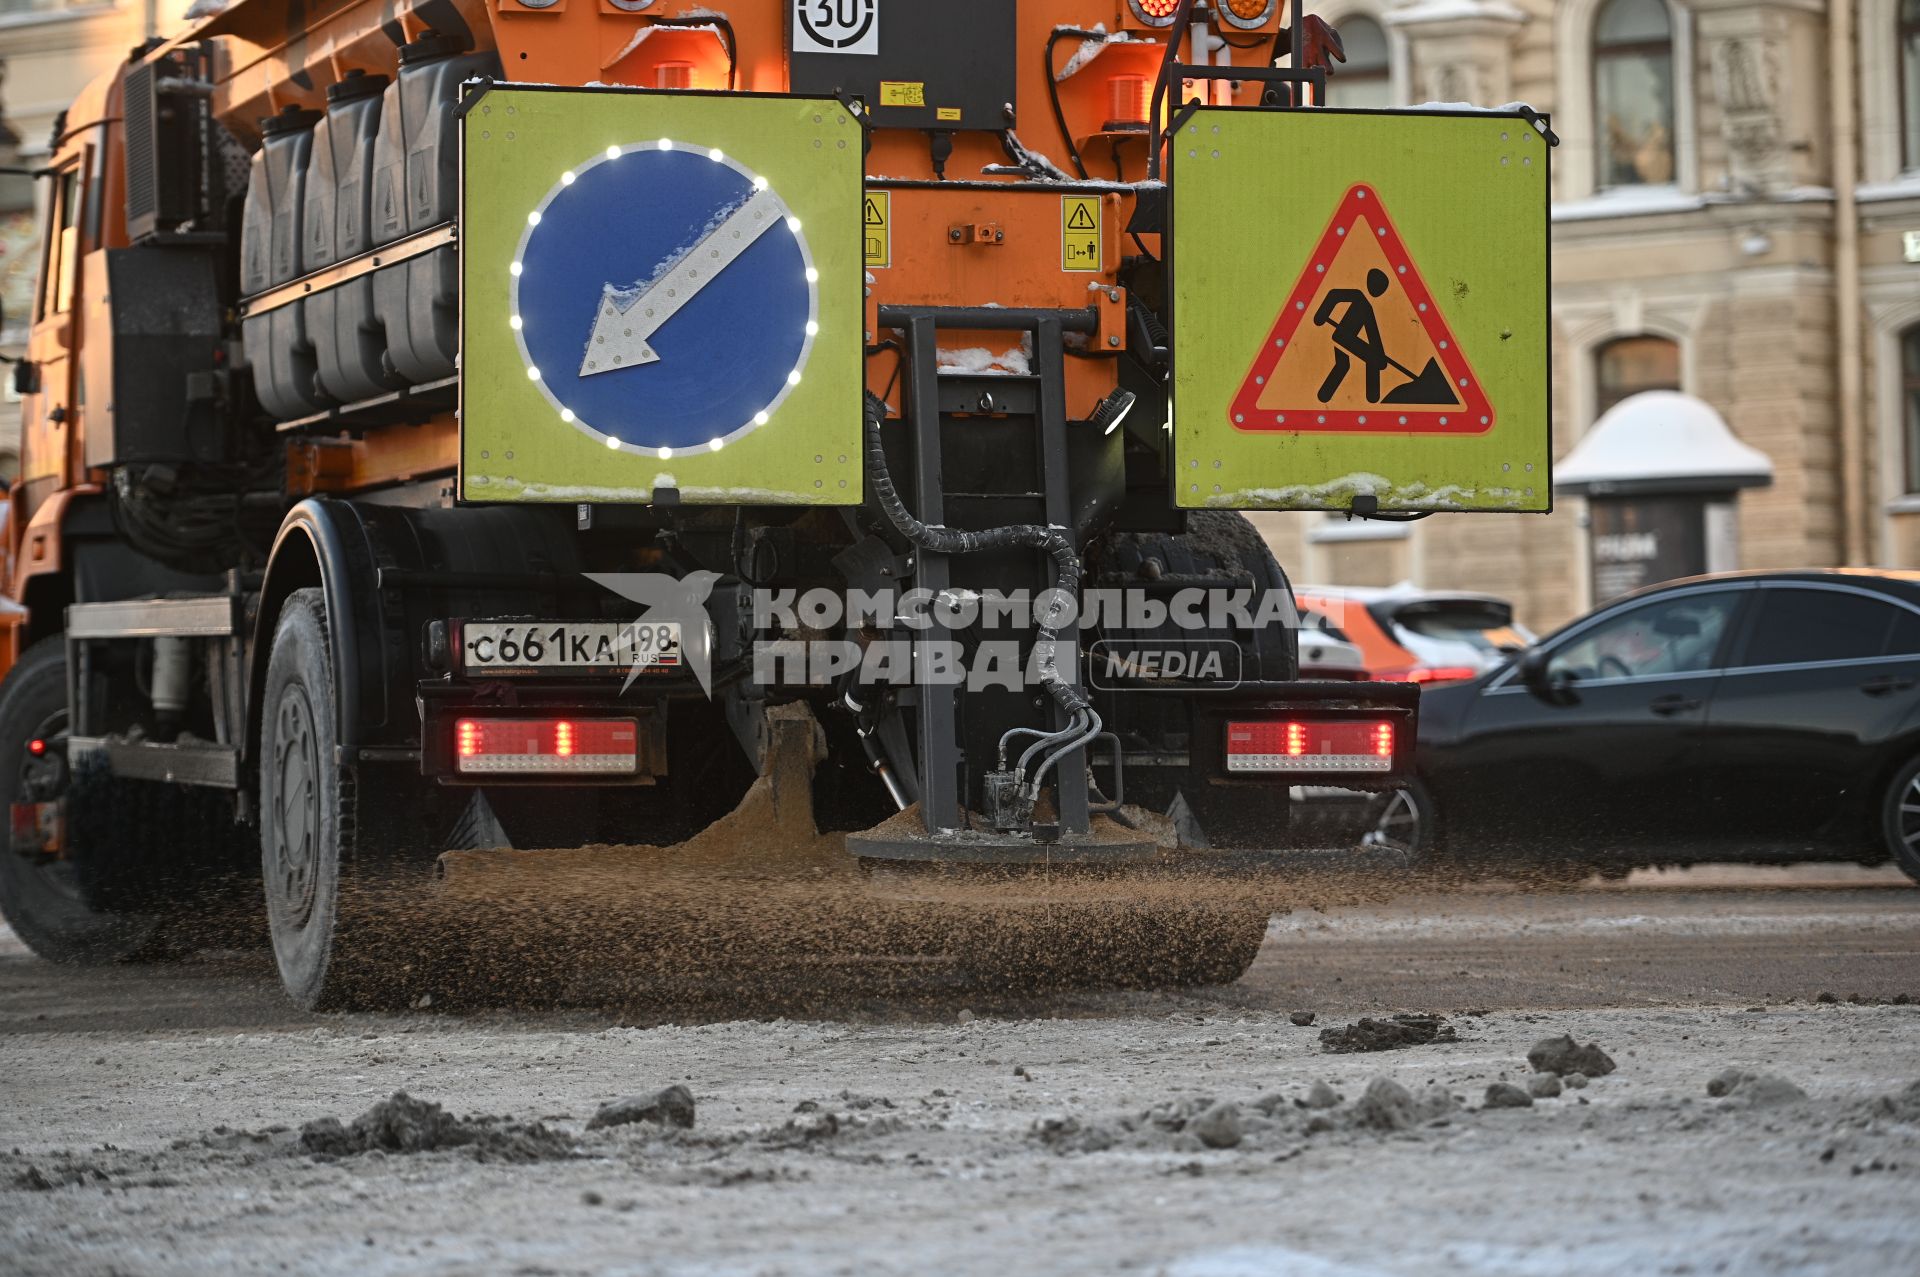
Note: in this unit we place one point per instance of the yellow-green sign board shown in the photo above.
(1360, 311)
(662, 298)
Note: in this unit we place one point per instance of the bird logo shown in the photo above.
(668, 600)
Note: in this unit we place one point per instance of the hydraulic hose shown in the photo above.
(939, 540)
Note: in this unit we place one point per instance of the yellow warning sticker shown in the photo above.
(949, 113)
(903, 93)
(1080, 232)
(879, 229)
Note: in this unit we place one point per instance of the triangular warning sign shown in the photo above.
(1081, 219)
(1361, 344)
(874, 216)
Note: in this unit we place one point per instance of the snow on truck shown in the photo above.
(543, 424)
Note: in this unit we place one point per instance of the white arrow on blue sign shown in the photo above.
(665, 298)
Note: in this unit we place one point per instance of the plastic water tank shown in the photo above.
(270, 237)
(416, 187)
(350, 342)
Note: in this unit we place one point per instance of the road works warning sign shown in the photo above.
(1360, 311)
(1362, 343)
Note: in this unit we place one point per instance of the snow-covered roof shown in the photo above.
(1661, 441)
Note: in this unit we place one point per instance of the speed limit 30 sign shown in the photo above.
(836, 26)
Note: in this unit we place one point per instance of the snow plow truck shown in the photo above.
(459, 427)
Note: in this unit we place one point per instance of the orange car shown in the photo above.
(1417, 636)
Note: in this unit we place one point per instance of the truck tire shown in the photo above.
(44, 900)
(1217, 543)
(336, 874)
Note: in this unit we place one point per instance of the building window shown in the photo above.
(1633, 92)
(1909, 44)
(1629, 365)
(1910, 402)
(1363, 80)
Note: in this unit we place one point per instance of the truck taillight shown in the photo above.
(546, 746)
(673, 75)
(1304, 745)
(1129, 102)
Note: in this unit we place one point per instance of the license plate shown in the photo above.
(566, 647)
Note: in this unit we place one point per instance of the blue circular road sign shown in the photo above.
(664, 298)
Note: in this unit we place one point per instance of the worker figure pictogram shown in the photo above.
(1360, 343)
(1356, 335)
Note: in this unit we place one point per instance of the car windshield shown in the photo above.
(1671, 636)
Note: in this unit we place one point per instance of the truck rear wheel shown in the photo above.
(42, 896)
(337, 890)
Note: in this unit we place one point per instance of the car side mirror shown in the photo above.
(1539, 679)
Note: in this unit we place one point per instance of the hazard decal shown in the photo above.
(1362, 344)
(878, 219)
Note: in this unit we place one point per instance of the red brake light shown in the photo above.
(36, 747)
(520, 746)
(1303, 745)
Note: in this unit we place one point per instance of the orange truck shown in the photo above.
(495, 423)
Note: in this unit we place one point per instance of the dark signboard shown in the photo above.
(1640, 541)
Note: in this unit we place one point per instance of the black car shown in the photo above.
(1767, 716)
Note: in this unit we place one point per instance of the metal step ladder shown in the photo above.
(930, 396)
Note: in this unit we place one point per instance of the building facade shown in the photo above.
(1736, 215)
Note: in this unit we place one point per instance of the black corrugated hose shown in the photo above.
(950, 541)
